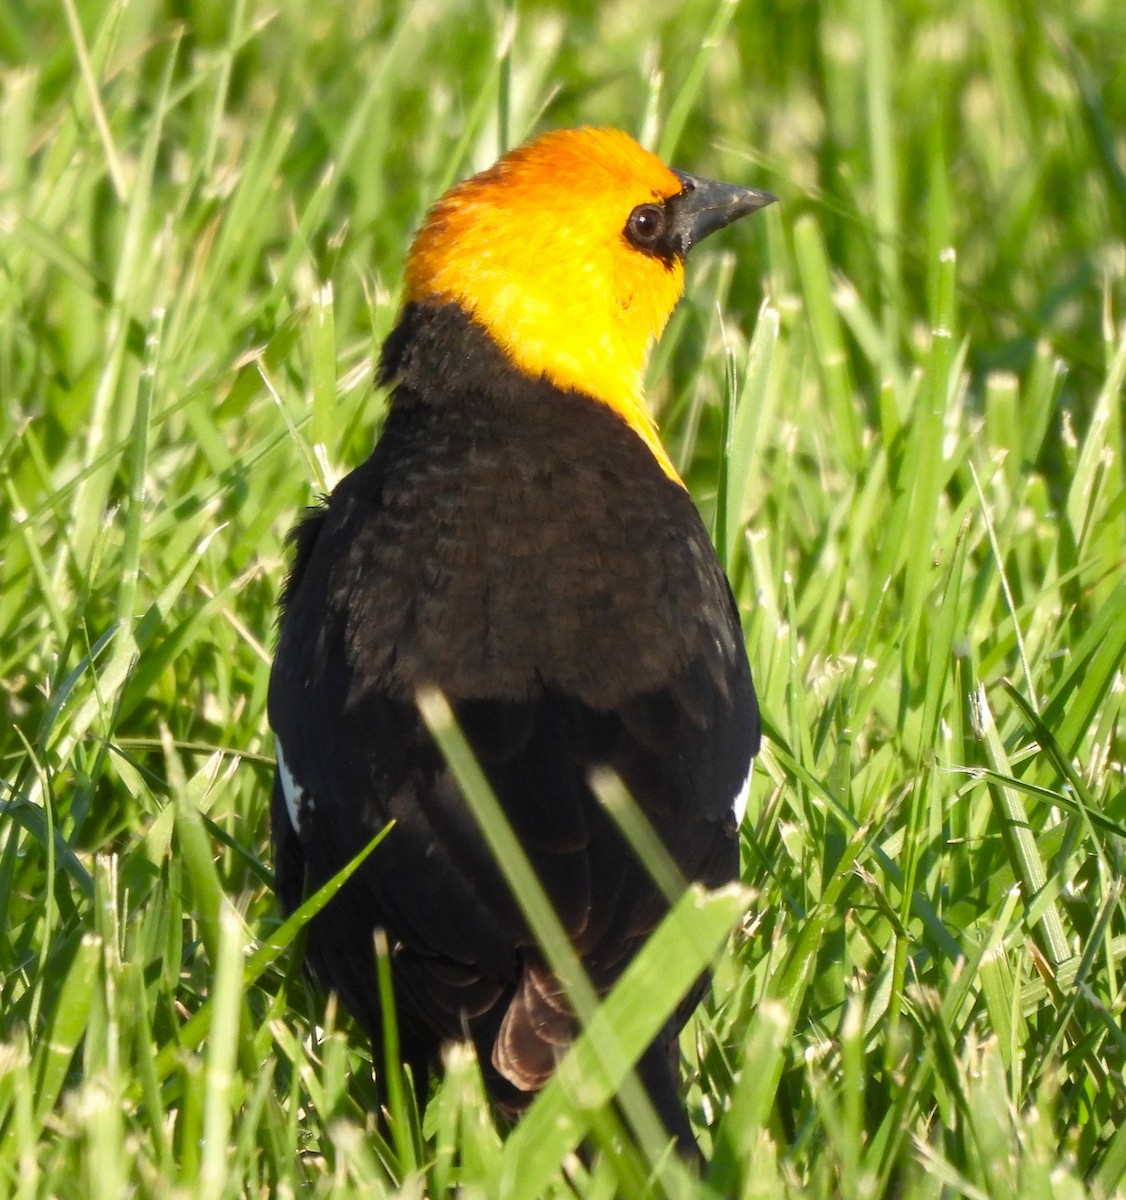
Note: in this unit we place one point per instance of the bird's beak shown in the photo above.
(705, 205)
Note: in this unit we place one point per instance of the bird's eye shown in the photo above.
(645, 226)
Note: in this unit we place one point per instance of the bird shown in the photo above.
(519, 539)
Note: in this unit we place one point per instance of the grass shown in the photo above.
(898, 396)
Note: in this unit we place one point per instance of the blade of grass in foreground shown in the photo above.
(1019, 840)
(675, 955)
(770, 1029)
(611, 1046)
(537, 909)
(222, 1086)
(68, 1023)
(195, 1029)
(745, 415)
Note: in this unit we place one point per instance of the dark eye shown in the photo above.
(645, 226)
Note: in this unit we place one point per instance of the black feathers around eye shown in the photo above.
(646, 226)
(652, 229)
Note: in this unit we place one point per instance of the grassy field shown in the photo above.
(898, 396)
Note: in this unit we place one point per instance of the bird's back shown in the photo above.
(517, 546)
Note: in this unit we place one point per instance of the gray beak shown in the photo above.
(706, 205)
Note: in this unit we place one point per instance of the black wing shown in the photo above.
(532, 562)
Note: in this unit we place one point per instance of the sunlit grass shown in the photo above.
(898, 398)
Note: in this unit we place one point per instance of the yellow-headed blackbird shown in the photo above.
(519, 539)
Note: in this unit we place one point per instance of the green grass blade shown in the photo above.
(678, 951)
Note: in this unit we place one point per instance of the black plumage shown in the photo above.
(520, 548)
(516, 544)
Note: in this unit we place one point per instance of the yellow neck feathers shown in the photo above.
(534, 249)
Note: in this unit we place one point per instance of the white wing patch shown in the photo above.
(739, 804)
(296, 798)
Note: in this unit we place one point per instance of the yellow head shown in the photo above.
(569, 252)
